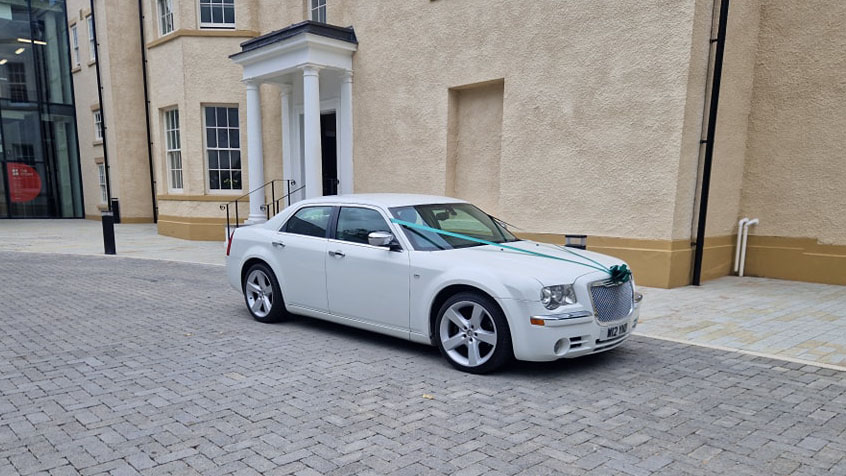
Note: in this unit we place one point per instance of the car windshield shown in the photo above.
(462, 218)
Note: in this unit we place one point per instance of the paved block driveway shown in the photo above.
(124, 366)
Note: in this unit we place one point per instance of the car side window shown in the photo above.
(309, 221)
(354, 224)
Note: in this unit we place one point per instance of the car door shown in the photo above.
(299, 249)
(364, 282)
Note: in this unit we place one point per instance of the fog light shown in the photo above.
(561, 346)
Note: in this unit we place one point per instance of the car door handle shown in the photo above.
(278, 244)
(339, 254)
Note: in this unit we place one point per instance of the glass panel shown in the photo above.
(225, 180)
(217, 15)
(354, 224)
(205, 14)
(229, 15)
(213, 163)
(234, 140)
(236, 180)
(233, 116)
(211, 137)
(310, 221)
(224, 159)
(214, 180)
(222, 138)
(28, 183)
(221, 116)
(235, 158)
(210, 117)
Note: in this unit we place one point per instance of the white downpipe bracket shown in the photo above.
(740, 226)
(746, 226)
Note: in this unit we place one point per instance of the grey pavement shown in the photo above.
(85, 237)
(156, 367)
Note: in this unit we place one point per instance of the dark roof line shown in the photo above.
(346, 34)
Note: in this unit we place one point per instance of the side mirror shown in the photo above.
(380, 238)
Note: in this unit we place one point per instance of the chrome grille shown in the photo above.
(611, 303)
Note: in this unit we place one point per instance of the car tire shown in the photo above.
(472, 333)
(263, 295)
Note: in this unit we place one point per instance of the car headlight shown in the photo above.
(554, 296)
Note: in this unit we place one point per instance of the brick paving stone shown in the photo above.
(128, 366)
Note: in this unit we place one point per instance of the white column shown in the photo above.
(288, 169)
(255, 158)
(313, 173)
(345, 162)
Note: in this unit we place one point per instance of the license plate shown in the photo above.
(614, 332)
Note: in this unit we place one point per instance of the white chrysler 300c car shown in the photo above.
(356, 260)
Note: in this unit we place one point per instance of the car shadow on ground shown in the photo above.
(561, 367)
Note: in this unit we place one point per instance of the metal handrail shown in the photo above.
(273, 204)
(225, 206)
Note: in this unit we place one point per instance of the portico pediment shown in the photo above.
(307, 43)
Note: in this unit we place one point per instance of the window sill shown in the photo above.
(76, 69)
(98, 142)
(204, 32)
(92, 62)
(102, 207)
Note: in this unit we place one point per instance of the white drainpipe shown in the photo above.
(740, 226)
(746, 226)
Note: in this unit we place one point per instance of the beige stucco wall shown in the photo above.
(795, 173)
(123, 108)
(593, 108)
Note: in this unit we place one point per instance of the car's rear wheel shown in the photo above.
(262, 294)
(472, 333)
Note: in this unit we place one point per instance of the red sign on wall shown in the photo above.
(24, 182)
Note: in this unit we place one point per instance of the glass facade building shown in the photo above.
(39, 157)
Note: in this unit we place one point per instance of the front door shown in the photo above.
(329, 152)
(363, 282)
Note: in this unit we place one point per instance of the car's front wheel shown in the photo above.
(472, 333)
(262, 294)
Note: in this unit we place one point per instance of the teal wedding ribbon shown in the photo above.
(618, 273)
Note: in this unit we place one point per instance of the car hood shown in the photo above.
(546, 270)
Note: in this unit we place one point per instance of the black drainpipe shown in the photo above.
(147, 113)
(709, 142)
(102, 110)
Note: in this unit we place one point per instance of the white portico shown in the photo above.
(312, 64)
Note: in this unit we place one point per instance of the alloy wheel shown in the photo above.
(468, 333)
(259, 292)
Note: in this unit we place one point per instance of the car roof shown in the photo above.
(387, 200)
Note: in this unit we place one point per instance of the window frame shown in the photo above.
(75, 57)
(330, 225)
(101, 181)
(99, 132)
(206, 168)
(170, 117)
(215, 25)
(318, 6)
(92, 47)
(165, 13)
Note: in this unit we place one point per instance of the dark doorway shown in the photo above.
(329, 151)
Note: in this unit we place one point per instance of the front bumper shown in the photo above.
(561, 336)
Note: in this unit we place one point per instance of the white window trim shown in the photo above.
(98, 125)
(169, 149)
(92, 48)
(224, 191)
(314, 11)
(168, 4)
(212, 25)
(101, 180)
(75, 44)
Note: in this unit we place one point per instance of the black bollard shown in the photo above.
(109, 232)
